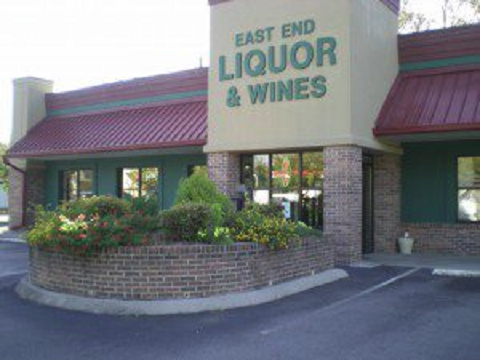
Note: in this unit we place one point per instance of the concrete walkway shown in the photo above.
(3, 223)
(429, 261)
(10, 235)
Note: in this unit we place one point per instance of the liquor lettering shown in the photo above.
(274, 60)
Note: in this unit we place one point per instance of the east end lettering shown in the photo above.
(299, 28)
(275, 60)
(302, 88)
(254, 37)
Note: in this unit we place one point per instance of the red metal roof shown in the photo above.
(429, 101)
(146, 128)
(181, 82)
(439, 44)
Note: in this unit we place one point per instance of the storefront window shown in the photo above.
(261, 170)
(294, 180)
(312, 170)
(137, 182)
(312, 193)
(77, 184)
(469, 189)
(285, 171)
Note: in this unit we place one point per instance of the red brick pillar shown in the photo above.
(224, 170)
(387, 201)
(343, 201)
(15, 198)
(26, 191)
(35, 190)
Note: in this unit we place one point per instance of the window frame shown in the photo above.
(61, 183)
(458, 188)
(120, 192)
(270, 162)
(300, 188)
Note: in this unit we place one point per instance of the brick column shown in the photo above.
(15, 198)
(343, 201)
(224, 170)
(33, 191)
(387, 201)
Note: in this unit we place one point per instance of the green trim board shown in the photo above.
(173, 169)
(429, 180)
(435, 64)
(130, 102)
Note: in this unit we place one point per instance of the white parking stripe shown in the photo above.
(344, 301)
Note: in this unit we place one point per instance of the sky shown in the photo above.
(78, 43)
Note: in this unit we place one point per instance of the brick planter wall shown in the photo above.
(177, 271)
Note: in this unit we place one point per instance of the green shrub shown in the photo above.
(89, 225)
(46, 229)
(256, 224)
(199, 189)
(97, 205)
(267, 210)
(216, 235)
(303, 230)
(146, 205)
(185, 221)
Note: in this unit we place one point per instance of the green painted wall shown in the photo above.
(173, 169)
(429, 180)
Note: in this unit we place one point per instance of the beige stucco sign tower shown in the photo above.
(305, 73)
(302, 74)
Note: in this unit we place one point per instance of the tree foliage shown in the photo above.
(3, 168)
(454, 13)
(411, 21)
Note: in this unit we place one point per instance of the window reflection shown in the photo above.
(85, 184)
(77, 184)
(294, 180)
(285, 171)
(312, 170)
(137, 182)
(261, 170)
(131, 182)
(469, 189)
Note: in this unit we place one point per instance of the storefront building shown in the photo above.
(317, 105)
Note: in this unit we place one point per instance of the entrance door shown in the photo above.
(367, 232)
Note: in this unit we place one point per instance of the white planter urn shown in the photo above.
(405, 244)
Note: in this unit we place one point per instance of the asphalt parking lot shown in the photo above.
(380, 313)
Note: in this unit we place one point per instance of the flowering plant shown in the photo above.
(257, 224)
(90, 225)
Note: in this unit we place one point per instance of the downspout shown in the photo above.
(7, 162)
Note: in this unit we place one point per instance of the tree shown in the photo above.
(454, 13)
(460, 12)
(3, 168)
(411, 21)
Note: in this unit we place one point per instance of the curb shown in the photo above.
(13, 240)
(456, 273)
(28, 291)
